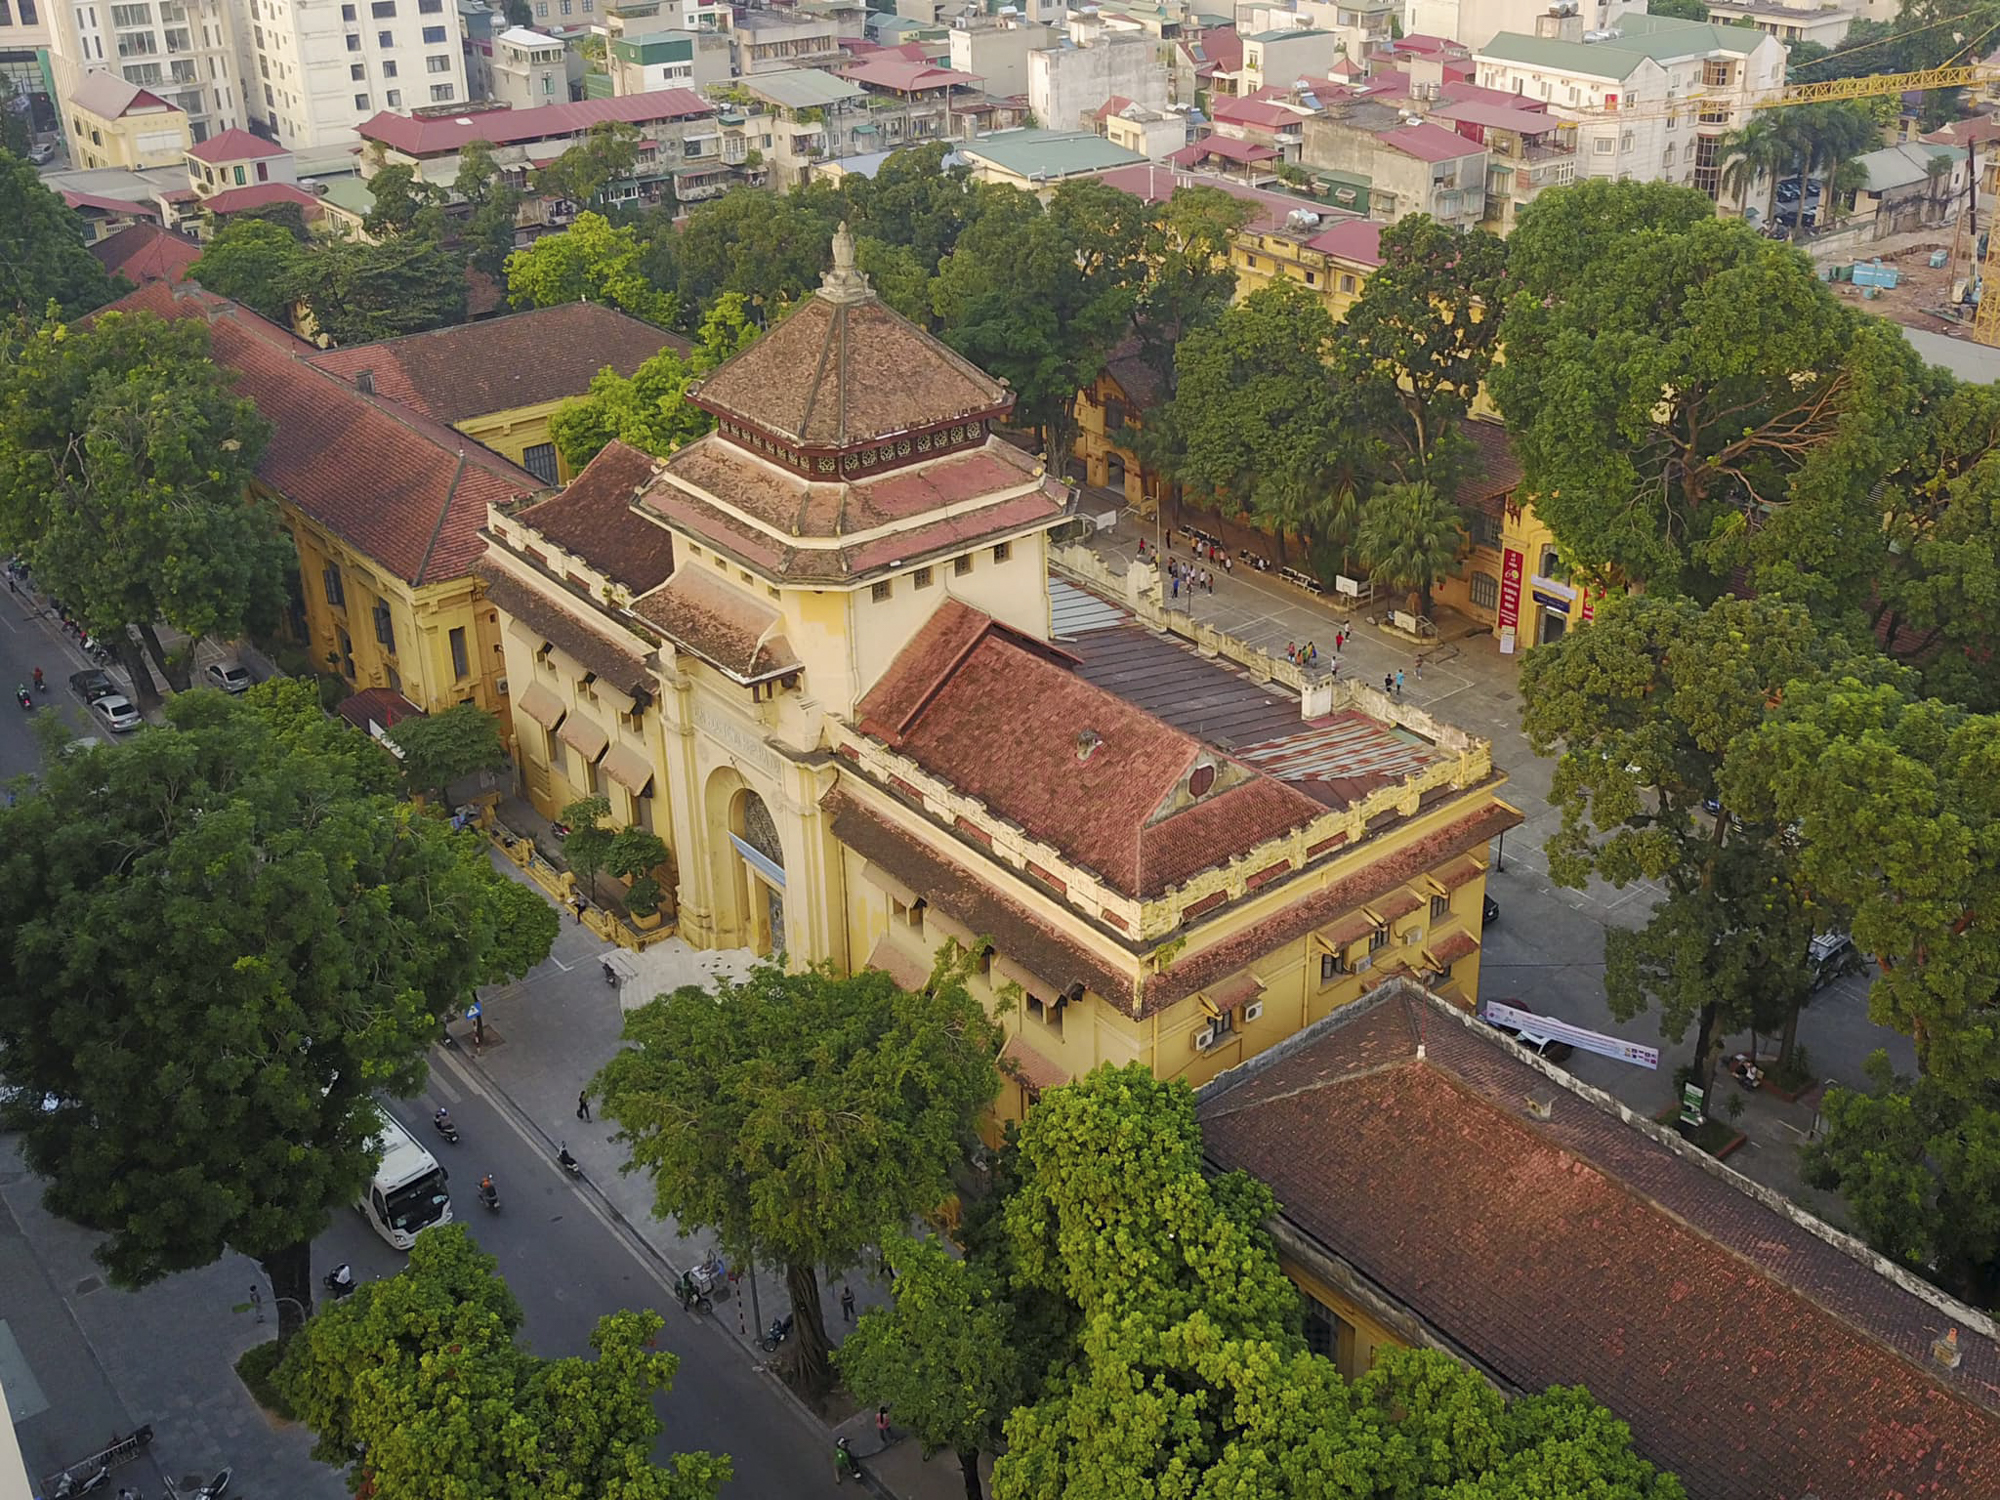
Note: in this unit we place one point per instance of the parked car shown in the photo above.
(230, 676)
(1830, 956)
(92, 685)
(1788, 190)
(116, 713)
(42, 155)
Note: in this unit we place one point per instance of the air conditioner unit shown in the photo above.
(1253, 1012)
(1204, 1039)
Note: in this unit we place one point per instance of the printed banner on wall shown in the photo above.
(1513, 565)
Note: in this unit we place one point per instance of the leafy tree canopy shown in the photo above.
(125, 461)
(404, 204)
(254, 262)
(42, 257)
(801, 1115)
(222, 937)
(591, 261)
(447, 746)
(1410, 536)
(359, 293)
(417, 1383)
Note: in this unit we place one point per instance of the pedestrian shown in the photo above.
(1420, 669)
(1312, 654)
(1228, 563)
(845, 1465)
(847, 1304)
(576, 909)
(583, 1106)
(257, 1301)
(882, 1429)
(1142, 549)
(1291, 652)
(1339, 640)
(1388, 683)
(1399, 682)
(478, 1031)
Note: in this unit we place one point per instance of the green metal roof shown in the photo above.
(1053, 154)
(1902, 166)
(1641, 39)
(799, 88)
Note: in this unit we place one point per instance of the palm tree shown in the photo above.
(1751, 155)
(1409, 537)
(1937, 176)
(1843, 180)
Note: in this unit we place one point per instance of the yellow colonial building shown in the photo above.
(823, 654)
(1333, 263)
(499, 380)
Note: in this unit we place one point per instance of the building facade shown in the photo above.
(182, 51)
(821, 653)
(529, 69)
(112, 123)
(1068, 85)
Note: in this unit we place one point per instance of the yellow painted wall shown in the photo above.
(1261, 259)
(1356, 1336)
(421, 665)
(512, 432)
(99, 142)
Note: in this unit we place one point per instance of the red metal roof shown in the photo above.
(1224, 147)
(235, 145)
(1427, 142)
(1257, 111)
(905, 75)
(258, 195)
(441, 135)
(1496, 116)
(1355, 239)
(111, 205)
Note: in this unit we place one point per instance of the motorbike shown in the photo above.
(339, 1284)
(445, 1127)
(213, 1490)
(569, 1163)
(21, 697)
(711, 1277)
(779, 1331)
(610, 974)
(489, 1195)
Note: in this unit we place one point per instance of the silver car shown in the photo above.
(230, 676)
(116, 713)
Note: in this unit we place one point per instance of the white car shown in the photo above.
(230, 676)
(117, 714)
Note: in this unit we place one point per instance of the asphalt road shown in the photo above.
(569, 1262)
(27, 641)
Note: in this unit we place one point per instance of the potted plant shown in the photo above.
(642, 903)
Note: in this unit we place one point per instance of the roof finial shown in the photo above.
(844, 283)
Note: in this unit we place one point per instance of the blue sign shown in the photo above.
(472, 1010)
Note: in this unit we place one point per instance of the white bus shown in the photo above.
(408, 1191)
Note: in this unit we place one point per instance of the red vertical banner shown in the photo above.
(1586, 605)
(1512, 566)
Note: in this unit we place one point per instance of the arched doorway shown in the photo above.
(761, 861)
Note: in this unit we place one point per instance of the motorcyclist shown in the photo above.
(38, 679)
(21, 695)
(341, 1282)
(442, 1119)
(487, 1191)
(563, 1156)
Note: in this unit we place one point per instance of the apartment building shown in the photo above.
(1804, 21)
(530, 69)
(1527, 150)
(24, 43)
(1067, 86)
(1652, 98)
(323, 67)
(997, 54)
(1397, 163)
(1474, 23)
(769, 41)
(181, 51)
(112, 123)
(667, 60)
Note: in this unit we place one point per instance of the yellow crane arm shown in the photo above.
(1959, 75)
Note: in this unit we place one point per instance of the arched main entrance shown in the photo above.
(748, 867)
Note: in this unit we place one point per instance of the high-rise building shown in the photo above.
(315, 69)
(24, 45)
(181, 51)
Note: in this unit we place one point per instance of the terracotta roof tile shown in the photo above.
(145, 252)
(1748, 1354)
(840, 374)
(1136, 378)
(1034, 1069)
(1494, 471)
(1003, 724)
(445, 134)
(523, 359)
(235, 144)
(1450, 948)
(379, 705)
(262, 195)
(400, 489)
(592, 517)
(599, 653)
(970, 900)
(909, 973)
(721, 624)
(1228, 148)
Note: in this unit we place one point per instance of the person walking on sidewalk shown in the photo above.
(845, 1465)
(583, 1106)
(847, 1304)
(1399, 682)
(1388, 684)
(883, 1431)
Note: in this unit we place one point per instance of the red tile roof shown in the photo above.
(139, 208)
(1466, 93)
(1223, 47)
(1352, 239)
(1427, 142)
(145, 252)
(1224, 147)
(1496, 116)
(724, 625)
(498, 364)
(904, 75)
(1111, 106)
(444, 134)
(235, 145)
(397, 487)
(593, 519)
(261, 195)
(1751, 1355)
(380, 705)
(1007, 722)
(1493, 473)
(1156, 183)
(1256, 111)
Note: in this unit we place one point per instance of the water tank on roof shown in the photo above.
(1608, 34)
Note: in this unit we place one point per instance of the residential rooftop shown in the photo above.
(1052, 154)
(1472, 1196)
(447, 133)
(799, 88)
(1635, 41)
(1156, 183)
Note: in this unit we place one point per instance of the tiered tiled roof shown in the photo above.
(396, 486)
(498, 364)
(1754, 1355)
(1005, 721)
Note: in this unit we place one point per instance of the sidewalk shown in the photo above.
(546, 1037)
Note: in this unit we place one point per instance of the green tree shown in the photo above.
(417, 1385)
(438, 749)
(254, 936)
(649, 409)
(359, 293)
(1672, 390)
(254, 262)
(1646, 712)
(768, 247)
(1188, 279)
(1410, 536)
(606, 154)
(587, 847)
(42, 258)
(1918, 1163)
(125, 460)
(802, 1115)
(1756, 153)
(404, 204)
(942, 1356)
(591, 261)
(489, 229)
(1422, 337)
(634, 852)
(1685, 10)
